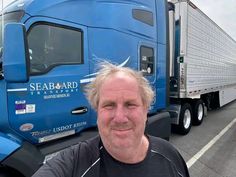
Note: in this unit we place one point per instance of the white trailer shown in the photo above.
(203, 67)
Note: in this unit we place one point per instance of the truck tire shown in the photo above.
(185, 120)
(198, 112)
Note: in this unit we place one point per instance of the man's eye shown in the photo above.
(131, 105)
(108, 106)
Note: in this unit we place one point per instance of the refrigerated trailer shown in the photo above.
(202, 65)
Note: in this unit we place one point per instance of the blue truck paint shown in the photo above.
(43, 102)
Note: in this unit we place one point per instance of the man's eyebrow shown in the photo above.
(131, 100)
(107, 102)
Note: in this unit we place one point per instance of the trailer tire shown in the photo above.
(185, 120)
(198, 112)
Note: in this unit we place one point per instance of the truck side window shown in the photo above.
(146, 60)
(52, 45)
(143, 16)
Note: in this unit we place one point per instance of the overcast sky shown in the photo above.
(223, 12)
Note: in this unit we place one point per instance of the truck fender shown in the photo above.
(7, 146)
(26, 159)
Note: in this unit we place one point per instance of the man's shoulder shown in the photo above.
(82, 151)
(164, 148)
(74, 160)
(159, 143)
(170, 153)
(88, 146)
(82, 155)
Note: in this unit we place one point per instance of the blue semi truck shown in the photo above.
(50, 51)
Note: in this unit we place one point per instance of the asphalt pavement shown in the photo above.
(210, 149)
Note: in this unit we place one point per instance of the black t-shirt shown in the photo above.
(154, 165)
(90, 159)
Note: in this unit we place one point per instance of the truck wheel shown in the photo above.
(185, 120)
(198, 112)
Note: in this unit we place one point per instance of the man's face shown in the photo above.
(121, 113)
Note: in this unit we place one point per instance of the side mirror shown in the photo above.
(15, 53)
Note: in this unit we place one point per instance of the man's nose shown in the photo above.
(120, 114)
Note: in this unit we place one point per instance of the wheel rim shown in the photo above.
(200, 112)
(187, 119)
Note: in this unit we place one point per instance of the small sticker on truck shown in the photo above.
(26, 127)
(22, 108)
(30, 108)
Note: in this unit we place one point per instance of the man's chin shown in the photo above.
(122, 139)
(122, 133)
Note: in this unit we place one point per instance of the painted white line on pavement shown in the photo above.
(211, 143)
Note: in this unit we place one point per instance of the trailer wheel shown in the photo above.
(198, 112)
(185, 120)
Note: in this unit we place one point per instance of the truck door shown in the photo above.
(52, 104)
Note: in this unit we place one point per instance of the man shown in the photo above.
(121, 97)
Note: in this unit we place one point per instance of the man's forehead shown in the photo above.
(121, 76)
(125, 85)
(122, 84)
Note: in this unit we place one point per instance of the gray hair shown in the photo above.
(106, 70)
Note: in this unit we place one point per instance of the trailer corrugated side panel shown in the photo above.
(209, 53)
